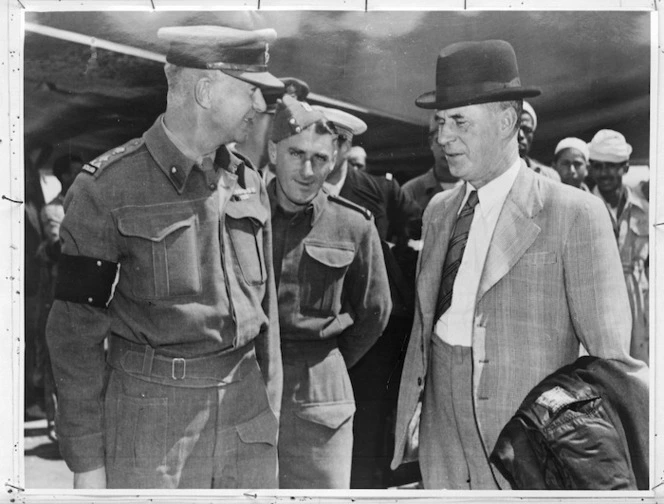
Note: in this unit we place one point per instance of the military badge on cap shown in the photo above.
(244, 54)
(292, 117)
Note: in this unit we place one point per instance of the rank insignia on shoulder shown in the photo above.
(349, 204)
(89, 168)
(96, 166)
(240, 193)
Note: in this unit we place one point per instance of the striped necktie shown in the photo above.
(454, 255)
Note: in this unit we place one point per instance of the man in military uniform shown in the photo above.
(334, 298)
(375, 379)
(167, 255)
(254, 146)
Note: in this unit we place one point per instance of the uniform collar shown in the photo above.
(314, 208)
(176, 165)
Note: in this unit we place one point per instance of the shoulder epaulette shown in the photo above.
(349, 204)
(97, 165)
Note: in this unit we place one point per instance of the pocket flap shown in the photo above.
(154, 227)
(260, 429)
(329, 414)
(247, 209)
(330, 255)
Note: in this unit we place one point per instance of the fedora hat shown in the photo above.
(475, 72)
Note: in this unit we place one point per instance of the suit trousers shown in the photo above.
(451, 451)
(160, 436)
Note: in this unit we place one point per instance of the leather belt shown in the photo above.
(142, 361)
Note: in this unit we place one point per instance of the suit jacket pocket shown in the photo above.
(543, 257)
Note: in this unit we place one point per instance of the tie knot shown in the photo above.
(473, 199)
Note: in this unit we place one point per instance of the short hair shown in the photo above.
(182, 79)
(64, 162)
(517, 105)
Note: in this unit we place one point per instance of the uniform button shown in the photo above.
(99, 263)
(90, 300)
(174, 169)
(212, 187)
(419, 381)
(292, 120)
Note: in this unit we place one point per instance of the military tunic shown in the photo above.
(334, 302)
(188, 398)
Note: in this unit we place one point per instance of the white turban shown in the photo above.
(609, 146)
(573, 143)
(528, 108)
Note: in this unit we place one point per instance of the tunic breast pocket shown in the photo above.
(322, 272)
(163, 254)
(245, 221)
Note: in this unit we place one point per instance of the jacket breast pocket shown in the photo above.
(163, 254)
(245, 221)
(322, 272)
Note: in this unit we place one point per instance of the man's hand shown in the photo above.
(91, 479)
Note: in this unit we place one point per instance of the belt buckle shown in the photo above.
(182, 366)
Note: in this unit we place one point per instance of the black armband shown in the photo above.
(86, 280)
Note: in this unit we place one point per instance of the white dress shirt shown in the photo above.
(455, 326)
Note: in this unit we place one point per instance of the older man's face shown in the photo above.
(470, 138)
(235, 104)
(526, 134)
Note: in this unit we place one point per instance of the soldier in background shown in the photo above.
(334, 298)
(438, 178)
(254, 146)
(376, 377)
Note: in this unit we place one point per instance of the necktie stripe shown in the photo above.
(454, 256)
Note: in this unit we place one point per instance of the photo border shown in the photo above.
(12, 241)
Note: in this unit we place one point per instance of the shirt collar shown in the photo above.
(314, 208)
(171, 155)
(493, 194)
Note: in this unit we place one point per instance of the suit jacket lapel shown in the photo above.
(436, 238)
(515, 230)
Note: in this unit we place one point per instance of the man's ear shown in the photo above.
(508, 121)
(203, 91)
(272, 152)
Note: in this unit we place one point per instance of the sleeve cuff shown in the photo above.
(82, 453)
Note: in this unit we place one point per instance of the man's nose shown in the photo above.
(258, 102)
(307, 168)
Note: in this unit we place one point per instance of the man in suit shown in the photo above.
(516, 272)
